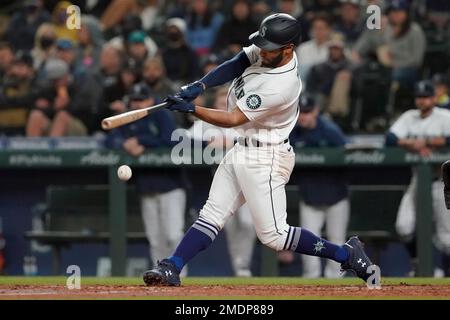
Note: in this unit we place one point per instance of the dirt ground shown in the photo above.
(233, 291)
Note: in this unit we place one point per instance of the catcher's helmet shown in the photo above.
(276, 31)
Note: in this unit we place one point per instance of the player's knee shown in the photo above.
(272, 239)
(213, 214)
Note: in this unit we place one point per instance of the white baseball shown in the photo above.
(124, 172)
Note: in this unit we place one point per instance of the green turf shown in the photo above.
(7, 280)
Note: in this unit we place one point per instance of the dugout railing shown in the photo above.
(340, 158)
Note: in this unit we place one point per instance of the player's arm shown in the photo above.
(222, 74)
(221, 118)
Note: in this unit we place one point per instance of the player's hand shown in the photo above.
(191, 91)
(176, 103)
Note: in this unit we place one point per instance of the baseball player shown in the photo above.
(263, 108)
(421, 131)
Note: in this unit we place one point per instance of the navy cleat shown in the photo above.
(358, 262)
(165, 274)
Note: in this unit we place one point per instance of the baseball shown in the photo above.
(124, 172)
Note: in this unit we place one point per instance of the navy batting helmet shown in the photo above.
(424, 89)
(276, 31)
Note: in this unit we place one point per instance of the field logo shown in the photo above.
(74, 280)
(374, 281)
(374, 20)
(73, 17)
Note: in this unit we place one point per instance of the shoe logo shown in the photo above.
(168, 273)
(363, 264)
(318, 246)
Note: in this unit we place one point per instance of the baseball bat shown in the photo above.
(129, 116)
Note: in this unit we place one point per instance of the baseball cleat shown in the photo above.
(164, 274)
(358, 262)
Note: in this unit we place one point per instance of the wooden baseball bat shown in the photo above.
(129, 116)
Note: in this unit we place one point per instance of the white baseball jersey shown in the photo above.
(411, 125)
(257, 175)
(268, 97)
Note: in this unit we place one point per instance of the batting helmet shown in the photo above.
(276, 31)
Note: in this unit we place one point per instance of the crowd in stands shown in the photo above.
(55, 81)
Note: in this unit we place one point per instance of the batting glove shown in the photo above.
(446, 179)
(175, 103)
(191, 91)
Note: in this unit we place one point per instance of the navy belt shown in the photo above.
(246, 141)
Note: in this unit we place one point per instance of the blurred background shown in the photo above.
(57, 165)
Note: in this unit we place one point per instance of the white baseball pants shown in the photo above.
(335, 218)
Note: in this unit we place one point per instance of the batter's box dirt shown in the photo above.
(232, 291)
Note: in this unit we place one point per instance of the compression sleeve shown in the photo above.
(227, 71)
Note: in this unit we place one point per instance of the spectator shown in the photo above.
(324, 195)
(179, 59)
(23, 25)
(203, 26)
(16, 94)
(441, 84)
(162, 198)
(331, 81)
(292, 7)
(405, 44)
(349, 22)
(314, 51)
(86, 83)
(118, 9)
(260, 10)
(235, 30)
(137, 50)
(130, 24)
(6, 58)
(240, 232)
(44, 48)
(154, 75)
(62, 107)
(90, 44)
(59, 19)
(113, 89)
(435, 20)
(423, 130)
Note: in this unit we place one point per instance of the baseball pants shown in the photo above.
(256, 176)
(406, 216)
(163, 216)
(335, 218)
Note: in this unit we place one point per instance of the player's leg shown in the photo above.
(337, 217)
(263, 186)
(240, 239)
(224, 198)
(150, 216)
(442, 220)
(405, 223)
(311, 218)
(172, 209)
(263, 181)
